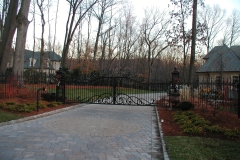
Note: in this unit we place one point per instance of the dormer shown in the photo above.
(32, 62)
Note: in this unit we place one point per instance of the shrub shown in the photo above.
(193, 124)
(9, 103)
(48, 96)
(54, 104)
(25, 107)
(28, 107)
(186, 105)
(41, 105)
(20, 107)
(213, 129)
(231, 132)
(193, 130)
(200, 121)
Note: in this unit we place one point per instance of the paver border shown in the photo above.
(164, 150)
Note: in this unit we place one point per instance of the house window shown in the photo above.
(218, 79)
(235, 81)
(47, 61)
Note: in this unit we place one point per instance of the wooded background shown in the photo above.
(106, 36)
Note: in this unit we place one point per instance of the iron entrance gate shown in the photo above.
(113, 90)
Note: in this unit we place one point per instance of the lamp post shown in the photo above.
(174, 96)
(60, 87)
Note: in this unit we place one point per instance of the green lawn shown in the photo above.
(94, 93)
(4, 116)
(197, 148)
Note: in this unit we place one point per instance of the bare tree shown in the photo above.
(180, 34)
(43, 22)
(213, 18)
(155, 25)
(8, 33)
(108, 43)
(101, 11)
(233, 28)
(22, 26)
(55, 27)
(128, 37)
(89, 25)
(49, 44)
(77, 11)
(80, 41)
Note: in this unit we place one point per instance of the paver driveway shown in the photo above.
(92, 132)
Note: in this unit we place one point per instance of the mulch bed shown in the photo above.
(216, 117)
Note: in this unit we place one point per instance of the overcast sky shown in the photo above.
(229, 5)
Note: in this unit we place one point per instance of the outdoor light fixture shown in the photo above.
(40, 89)
(175, 96)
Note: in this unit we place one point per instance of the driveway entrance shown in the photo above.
(87, 132)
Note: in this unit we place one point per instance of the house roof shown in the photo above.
(222, 59)
(214, 50)
(48, 55)
(236, 50)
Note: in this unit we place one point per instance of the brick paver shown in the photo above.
(101, 132)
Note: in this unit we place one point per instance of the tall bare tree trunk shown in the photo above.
(100, 22)
(55, 27)
(40, 6)
(192, 60)
(8, 33)
(34, 32)
(22, 26)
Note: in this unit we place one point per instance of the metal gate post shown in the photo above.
(114, 90)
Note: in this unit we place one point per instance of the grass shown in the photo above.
(93, 93)
(198, 148)
(4, 116)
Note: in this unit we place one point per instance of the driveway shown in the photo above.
(94, 132)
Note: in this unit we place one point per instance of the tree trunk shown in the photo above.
(192, 60)
(97, 39)
(72, 26)
(8, 33)
(22, 26)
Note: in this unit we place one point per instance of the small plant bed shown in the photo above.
(214, 123)
(26, 107)
(194, 124)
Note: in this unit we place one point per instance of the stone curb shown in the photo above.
(40, 115)
(164, 150)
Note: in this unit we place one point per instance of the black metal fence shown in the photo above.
(115, 90)
(25, 85)
(207, 93)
